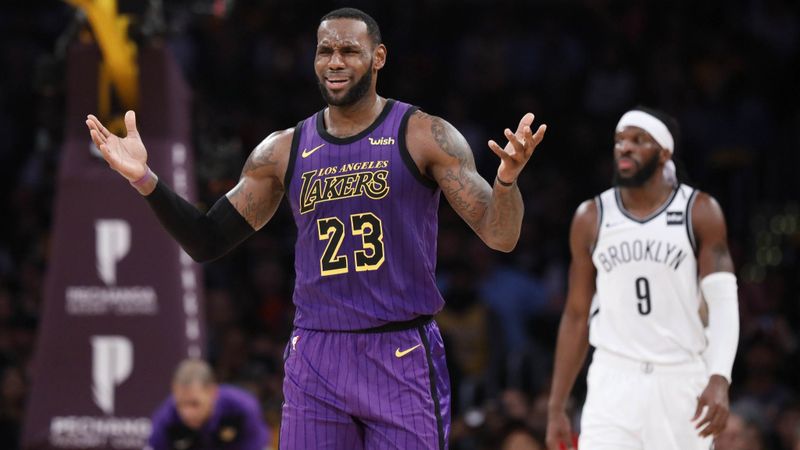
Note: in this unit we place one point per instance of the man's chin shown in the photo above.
(194, 425)
(337, 99)
(334, 99)
(626, 177)
(626, 180)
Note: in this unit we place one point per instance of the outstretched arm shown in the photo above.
(493, 212)
(246, 208)
(573, 333)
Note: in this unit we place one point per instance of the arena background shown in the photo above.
(728, 70)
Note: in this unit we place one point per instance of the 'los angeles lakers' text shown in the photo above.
(368, 178)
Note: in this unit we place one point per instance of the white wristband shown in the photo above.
(721, 295)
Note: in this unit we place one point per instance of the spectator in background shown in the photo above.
(464, 327)
(787, 427)
(12, 400)
(521, 439)
(200, 414)
(762, 391)
(733, 437)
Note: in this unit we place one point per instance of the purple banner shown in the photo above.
(122, 301)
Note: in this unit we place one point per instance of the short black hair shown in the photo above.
(352, 13)
(670, 121)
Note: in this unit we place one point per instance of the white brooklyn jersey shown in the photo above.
(647, 302)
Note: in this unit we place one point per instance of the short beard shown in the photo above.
(640, 177)
(356, 93)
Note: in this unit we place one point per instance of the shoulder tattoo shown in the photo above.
(445, 136)
(262, 156)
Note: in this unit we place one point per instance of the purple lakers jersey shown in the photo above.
(366, 226)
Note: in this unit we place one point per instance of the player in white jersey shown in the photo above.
(648, 251)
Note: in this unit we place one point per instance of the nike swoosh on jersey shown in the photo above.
(307, 153)
(400, 354)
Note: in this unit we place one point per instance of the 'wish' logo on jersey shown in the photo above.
(381, 141)
(641, 250)
(373, 184)
(112, 362)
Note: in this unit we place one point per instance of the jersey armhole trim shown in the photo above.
(287, 178)
(405, 155)
(599, 203)
(689, 226)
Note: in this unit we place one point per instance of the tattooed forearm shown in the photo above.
(495, 215)
(466, 196)
(251, 209)
(504, 217)
(245, 203)
(252, 203)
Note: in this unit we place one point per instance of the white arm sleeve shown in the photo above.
(720, 292)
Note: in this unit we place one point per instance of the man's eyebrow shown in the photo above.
(343, 44)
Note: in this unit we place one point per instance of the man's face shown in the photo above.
(345, 60)
(637, 156)
(194, 402)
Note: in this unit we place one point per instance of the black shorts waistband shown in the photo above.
(397, 326)
(385, 328)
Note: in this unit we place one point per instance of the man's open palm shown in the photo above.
(125, 155)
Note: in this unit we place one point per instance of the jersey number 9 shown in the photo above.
(643, 294)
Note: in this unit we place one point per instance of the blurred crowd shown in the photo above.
(727, 70)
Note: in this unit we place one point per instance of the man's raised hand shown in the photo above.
(125, 155)
(519, 149)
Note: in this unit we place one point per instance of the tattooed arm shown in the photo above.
(260, 189)
(493, 212)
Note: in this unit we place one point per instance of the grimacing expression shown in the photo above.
(194, 402)
(636, 157)
(345, 60)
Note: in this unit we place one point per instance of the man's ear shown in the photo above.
(665, 156)
(379, 57)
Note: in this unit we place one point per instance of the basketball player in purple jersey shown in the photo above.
(365, 366)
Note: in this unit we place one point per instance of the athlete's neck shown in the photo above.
(642, 200)
(346, 121)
